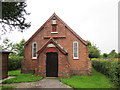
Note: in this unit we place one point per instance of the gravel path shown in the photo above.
(44, 83)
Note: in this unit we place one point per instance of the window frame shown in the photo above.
(52, 27)
(33, 50)
(77, 50)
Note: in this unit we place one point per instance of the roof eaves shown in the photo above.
(38, 30)
(83, 41)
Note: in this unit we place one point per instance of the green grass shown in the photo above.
(14, 73)
(5, 87)
(2, 87)
(20, 77)
(97, 80)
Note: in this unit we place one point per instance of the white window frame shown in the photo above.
(33, 50)
(77, 50)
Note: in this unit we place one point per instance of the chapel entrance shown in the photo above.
(51, 64)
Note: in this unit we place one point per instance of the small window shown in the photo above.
(34, 50)
(54, 28)
(75, 50)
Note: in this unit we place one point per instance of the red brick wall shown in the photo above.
(81, 66)
(63, 68)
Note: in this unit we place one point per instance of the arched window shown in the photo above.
(34, 50)
(75, 50)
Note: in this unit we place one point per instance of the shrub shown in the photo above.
(15, 62)
(109, 67)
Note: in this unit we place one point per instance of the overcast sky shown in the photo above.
(94, 20)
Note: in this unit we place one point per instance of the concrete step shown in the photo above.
(51, 77)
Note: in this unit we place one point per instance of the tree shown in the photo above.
(105, 55)
(93, 51)
(118, 55)
(19, 48)
(13, 15)
(7, 45)
(112, 54)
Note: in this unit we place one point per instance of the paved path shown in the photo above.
(6, 78)
(44, 83)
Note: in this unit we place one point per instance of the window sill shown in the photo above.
(75, 58)
(34, 58)
(54, 32)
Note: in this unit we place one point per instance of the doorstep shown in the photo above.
(51, 77)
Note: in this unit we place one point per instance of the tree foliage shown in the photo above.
(93, 51)
(13, 15)
(112, 54)
(118, 55)
(7, 45)
(19, 48)
(105, 55)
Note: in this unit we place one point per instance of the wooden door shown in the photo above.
(51, 64)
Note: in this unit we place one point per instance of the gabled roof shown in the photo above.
(58, 46)
(54, 15)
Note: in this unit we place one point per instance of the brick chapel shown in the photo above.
(55, 50)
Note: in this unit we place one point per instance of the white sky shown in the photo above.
(94, 20)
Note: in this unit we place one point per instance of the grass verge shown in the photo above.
(97, 80)
(6, 87)
(20, 77)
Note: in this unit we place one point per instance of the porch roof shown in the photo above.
(58, 46)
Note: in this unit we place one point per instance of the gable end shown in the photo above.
(54, 15)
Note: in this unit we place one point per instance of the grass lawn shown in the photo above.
(20, 77)
(97, 80)
(5, 87)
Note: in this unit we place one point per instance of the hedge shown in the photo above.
(15, 62)
(109, 67)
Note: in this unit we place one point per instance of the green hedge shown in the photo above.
(109, 67)
(15, 62)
